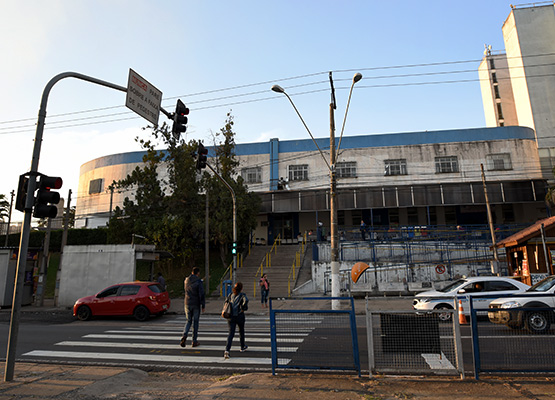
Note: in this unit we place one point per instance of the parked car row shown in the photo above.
(508, 301)
(137, 299)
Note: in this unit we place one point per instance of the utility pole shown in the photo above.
(207, 245)
(9, 219)
(495, 263)
(334, 258)
(335, 284)
(63, 245)
(228, 186)
(43, 267)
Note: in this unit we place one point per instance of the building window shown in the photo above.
(346, 169)
(494, 77)
(499, 162)
(252, 175)
(96, 186)
(496, 91)
(298, 172)
(499, 111)
(446, 164)
(395, 167)
(491, 63)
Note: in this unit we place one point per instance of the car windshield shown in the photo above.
(450, 287)
(544, 285)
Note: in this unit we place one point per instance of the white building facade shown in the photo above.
(417, 178)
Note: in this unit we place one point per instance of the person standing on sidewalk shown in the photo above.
(161, 280)
(194, 304)
(239, 304)
(264, 290)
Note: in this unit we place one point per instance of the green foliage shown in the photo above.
(168, 204)
(220, 200)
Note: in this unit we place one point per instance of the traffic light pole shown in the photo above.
(24, 240)
(234, 272)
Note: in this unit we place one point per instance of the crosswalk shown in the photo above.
(158, 344)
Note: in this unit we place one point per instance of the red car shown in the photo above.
(139, 299)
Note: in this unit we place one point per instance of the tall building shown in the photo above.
(518, 86)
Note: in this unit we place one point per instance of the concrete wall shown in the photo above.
(86, 270)
(390, 278)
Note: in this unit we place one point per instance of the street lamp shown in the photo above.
(335, 286)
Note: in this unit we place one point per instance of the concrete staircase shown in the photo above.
(278, 273)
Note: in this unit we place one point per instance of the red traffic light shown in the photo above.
(45, 200)
(50, 182)
(179, 118)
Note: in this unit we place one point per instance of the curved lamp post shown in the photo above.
(335, 286)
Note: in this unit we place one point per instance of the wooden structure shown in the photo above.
(531, 252)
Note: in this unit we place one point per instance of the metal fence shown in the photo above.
(525, 344)
(409, 342)
(306, 336)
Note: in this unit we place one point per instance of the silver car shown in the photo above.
(477, 288)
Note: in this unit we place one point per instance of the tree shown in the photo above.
(168, 197)
(220, 200)
(165, 205)
(4, 207)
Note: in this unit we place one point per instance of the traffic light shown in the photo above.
(234, 248)
(179, 118)
(21, 197)
(202, 156)
(46, 200)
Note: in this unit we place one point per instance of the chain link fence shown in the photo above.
(411, 342)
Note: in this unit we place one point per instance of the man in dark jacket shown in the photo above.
(194, 303)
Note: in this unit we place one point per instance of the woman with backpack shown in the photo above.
(239, 304)
(264, 290)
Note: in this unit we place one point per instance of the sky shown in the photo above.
(419, 63)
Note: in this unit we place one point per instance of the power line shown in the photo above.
(19, 129)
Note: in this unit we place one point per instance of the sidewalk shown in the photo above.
(55, 381)
(62, 381)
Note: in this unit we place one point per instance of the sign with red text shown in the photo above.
(143, 97)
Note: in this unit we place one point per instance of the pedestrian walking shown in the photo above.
(194, 304)
(161, 280)
(264, 290)
(239, 304)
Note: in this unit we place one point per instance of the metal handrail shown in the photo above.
(268, 259)
(296, 265)
(221, 284)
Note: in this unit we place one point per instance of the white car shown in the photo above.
(533, 310)
(476, 287)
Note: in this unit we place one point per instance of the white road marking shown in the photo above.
(152, 357)
(160, 346)
(222, 336)
(438, 361)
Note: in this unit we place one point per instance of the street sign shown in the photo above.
(143, 97)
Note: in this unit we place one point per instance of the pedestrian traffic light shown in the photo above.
(179, 118)
(21, 197)
(202, 156)
(46, 200)
(234, 248)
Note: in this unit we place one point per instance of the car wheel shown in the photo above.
(537, 322)
(84, 313)
(141, 313)
(444, 316)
